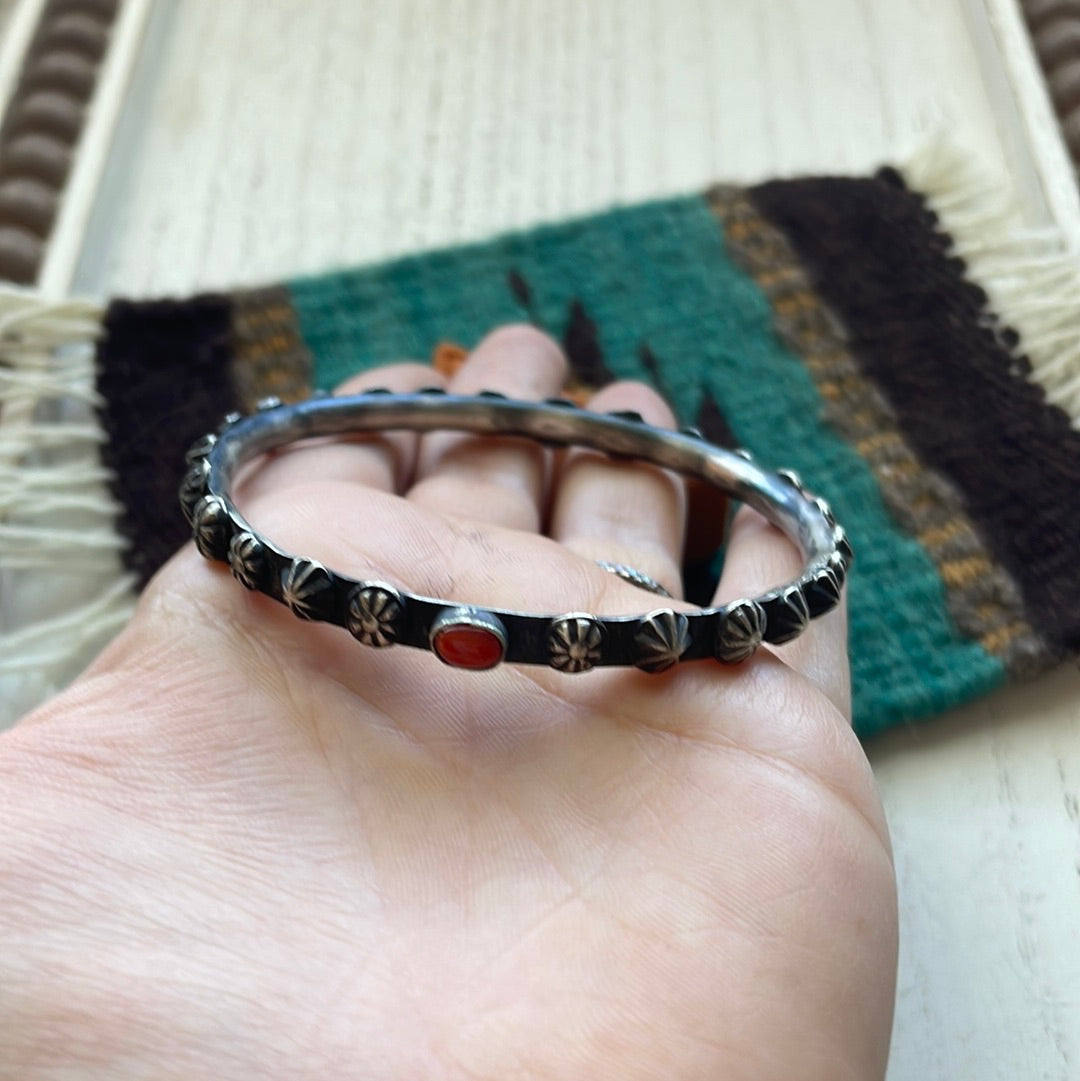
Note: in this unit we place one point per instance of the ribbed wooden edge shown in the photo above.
(1055, 30)
(43, 121)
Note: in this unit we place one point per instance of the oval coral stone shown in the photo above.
(465, 645)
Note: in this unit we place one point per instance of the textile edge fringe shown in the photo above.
(64, 589)
(1030, 276)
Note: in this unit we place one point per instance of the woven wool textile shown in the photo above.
(822, 323)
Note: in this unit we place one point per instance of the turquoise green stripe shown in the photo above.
(659, 275)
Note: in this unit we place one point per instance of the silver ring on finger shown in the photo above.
(633, 576)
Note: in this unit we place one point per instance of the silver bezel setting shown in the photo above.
(467, 618)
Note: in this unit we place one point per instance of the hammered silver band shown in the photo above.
(380, 614)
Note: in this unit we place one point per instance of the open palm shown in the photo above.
(243, 846)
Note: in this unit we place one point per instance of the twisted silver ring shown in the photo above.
(381, 614)
(633, 576)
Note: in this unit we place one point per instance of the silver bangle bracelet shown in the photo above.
(381, 614)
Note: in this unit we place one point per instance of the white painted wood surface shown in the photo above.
(270, 137)
(267, 137)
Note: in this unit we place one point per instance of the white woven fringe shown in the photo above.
(1029, 274)
(63, 590)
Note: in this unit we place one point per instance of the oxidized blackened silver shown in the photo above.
(379, 614)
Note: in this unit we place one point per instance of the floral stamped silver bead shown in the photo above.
(574, 642)
(373, 615)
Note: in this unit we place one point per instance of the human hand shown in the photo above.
(242, 846)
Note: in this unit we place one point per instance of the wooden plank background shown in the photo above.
(270, 137)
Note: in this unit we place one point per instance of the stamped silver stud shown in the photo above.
(574, 642)
(839, 566)
(661, 639)
(303, 587)
(373, 614)
(843, 545)
(825, 509)
(193, 488)
(247, 560)
(201, 448)
(793, 479)
(823, 589)
(212, 526)
(790, 618)
(741, 630)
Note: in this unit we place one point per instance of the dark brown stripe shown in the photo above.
(581, 343)
(162, 373)
(924, 335)
(710, 419)
(1040, 13)
(713, 423)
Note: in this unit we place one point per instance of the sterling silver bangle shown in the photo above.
(380, 614)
